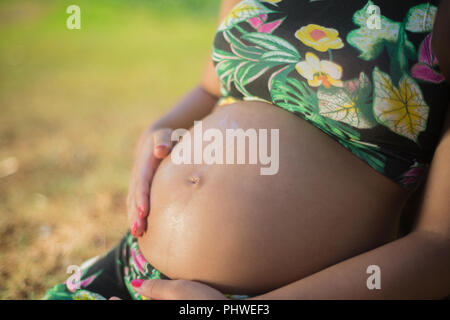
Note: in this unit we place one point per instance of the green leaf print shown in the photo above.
(272, 43)
(87, 295)
(60, 292)
(278, 56)
(245, 63)
(296, 96)
(366, 152)
(351, 104)
(399, 57)
(421, 18)
(371, 42)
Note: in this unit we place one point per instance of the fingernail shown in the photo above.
(137, 283)
(141, 213)
(161, 146)
(133, 229)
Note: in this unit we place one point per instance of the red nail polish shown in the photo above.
(137, 283)
(133, 229)
(141, 213)
(161, 146)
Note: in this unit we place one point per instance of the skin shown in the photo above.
(303, 224)
(414, 266)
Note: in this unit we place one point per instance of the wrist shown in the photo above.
(208, 92)
(195, 105)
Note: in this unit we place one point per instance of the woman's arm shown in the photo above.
(199, 102)
(155, 144)
(417, 265)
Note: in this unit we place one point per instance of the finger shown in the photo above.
(137, 226)
(134, 219)
(142, 192)
(143, 177)
(132, 211)
(137, 201)
(162, 142)
(158, 289)
(114, 298)
(143, 186)
(140, 227)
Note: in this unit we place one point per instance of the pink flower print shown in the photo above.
(75, 282)
(86, 282)
(423, 70)
(259, 23)
(139, 260)
(413, 174)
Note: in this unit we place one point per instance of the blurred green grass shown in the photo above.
(72, 106)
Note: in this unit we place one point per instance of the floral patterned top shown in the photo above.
(361, 71)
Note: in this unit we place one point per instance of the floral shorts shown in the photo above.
(111, 275)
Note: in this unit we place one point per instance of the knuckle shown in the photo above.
(151, 287)
(179, 285)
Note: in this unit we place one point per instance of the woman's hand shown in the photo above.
(154, 145)
(159, 289)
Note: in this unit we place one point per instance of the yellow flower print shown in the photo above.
(226, 101)
(319, 38)
(320, 72)
(87, 295)
(272, 1)
(257, 99)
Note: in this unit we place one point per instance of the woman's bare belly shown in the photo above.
(247, 233)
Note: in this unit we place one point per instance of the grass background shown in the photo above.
(72, 106)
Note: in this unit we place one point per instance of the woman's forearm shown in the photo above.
(416, 266)
(195, 105)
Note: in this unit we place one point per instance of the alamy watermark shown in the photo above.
(374, 281)
(221, 150)
(74, 20)
(374, 20)
(74, 280)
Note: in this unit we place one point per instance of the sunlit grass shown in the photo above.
(72, 105)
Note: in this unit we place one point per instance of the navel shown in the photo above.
(194, 180)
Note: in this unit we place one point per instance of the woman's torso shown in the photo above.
(243, 232)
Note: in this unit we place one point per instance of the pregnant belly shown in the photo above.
(243, 232)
